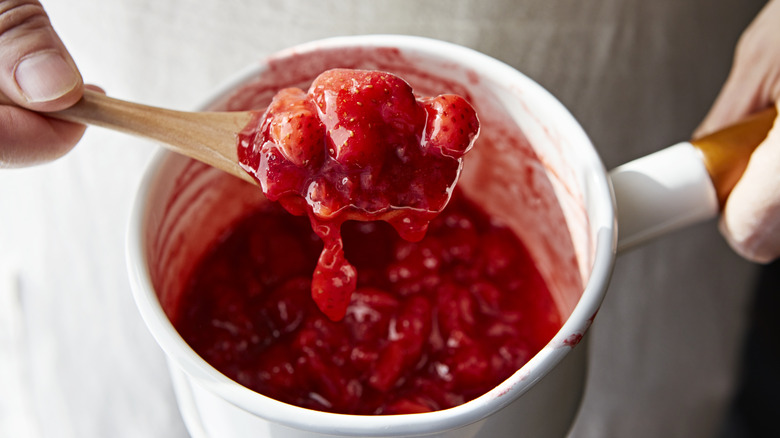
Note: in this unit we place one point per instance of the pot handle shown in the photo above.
(685, 183)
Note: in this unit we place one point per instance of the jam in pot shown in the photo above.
(431, 324)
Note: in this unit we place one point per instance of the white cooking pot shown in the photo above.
(533, 166)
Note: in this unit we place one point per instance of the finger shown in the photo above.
(751, 218)
(36, 70)
(27, 138)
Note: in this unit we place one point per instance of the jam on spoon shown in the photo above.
(358, 145)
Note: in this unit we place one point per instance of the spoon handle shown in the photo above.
(210, 137)
(726, 152)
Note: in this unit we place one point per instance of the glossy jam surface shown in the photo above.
(358, 145)
(431, 324)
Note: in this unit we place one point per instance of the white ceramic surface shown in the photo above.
(661, 192)
(549, 185)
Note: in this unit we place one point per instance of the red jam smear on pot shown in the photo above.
(358, 145)
(432, 324)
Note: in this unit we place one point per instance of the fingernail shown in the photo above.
(45, 76)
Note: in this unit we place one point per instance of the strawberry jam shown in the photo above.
(358, 145)
(430, 325)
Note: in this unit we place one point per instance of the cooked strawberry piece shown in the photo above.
(452, 125)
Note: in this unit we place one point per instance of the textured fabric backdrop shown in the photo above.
(75, 357)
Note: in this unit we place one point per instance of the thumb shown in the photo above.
(36, 71)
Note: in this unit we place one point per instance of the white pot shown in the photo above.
(533, 166)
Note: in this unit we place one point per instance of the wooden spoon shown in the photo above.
(209, 137)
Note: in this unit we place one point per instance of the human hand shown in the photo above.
(37, 73)
(751, 217)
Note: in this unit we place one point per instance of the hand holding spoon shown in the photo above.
(209, 137)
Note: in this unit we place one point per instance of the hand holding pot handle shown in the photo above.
(694, 181)
(685, 183)
(751, 217)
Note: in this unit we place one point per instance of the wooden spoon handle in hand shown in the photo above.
(210, 137)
